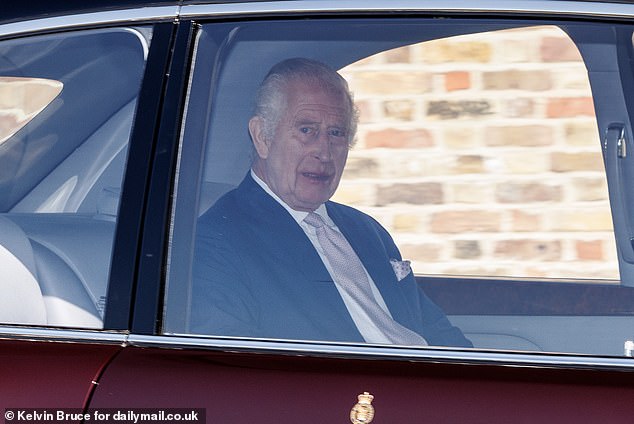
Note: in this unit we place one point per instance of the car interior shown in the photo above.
(63, 173)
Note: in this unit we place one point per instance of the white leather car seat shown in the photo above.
(21, 301)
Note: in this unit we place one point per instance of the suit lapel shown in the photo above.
(285, 242)
(289, 244)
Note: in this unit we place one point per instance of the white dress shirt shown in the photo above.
(370, 332)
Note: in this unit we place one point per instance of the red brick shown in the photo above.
(591, 250)
(569, 107)
(399, 139)
(457, 80)
(558, 49)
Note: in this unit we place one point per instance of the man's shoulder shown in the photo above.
(348, 215)
(335, 208)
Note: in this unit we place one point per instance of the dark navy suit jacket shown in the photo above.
(256, 274)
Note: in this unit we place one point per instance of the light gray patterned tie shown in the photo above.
(351, 277)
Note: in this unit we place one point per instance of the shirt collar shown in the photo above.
(297, 215)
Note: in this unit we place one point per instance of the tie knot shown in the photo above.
(314, 220)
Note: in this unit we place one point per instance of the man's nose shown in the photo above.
(323, 147)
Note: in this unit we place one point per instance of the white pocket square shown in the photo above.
(401, 268)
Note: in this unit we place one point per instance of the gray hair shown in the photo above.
(270, 102)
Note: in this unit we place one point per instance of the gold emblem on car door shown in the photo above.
(363, 411)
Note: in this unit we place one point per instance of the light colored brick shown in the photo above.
(525, 162)
(468, 164)
(528, 249)
(519, 107)
(579, 161)
(571, 78)
(426, 252)
(587, 189)
(354, 194)
(398, 55)
(460, 137)
(444, 109)
(366, 112)
(392, 83)
(513, 51)
(520, 135)
(399, 110)
(406, 222)
(360, 167)
(454, 222)
(470, 192)
(415, 194)
(467, 249)
(580, 220)
(532, 80)
(527, 192)
(583, 134)
(525, 221)
(448, 51)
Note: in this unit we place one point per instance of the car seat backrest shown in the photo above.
(21, 301)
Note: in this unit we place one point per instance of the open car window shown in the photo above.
(487, 150)
(67, 103)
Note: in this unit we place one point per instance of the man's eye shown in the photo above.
(306, 130)
(335, 132)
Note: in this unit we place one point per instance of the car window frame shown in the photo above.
(310, 9)
(121, 280)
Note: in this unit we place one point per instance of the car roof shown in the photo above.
(20, 10)
(12, 11)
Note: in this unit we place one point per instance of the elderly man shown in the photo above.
(275, 258)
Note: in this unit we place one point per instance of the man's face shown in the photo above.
(304, 160)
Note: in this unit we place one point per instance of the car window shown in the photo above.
(477, 179)
(67, 103)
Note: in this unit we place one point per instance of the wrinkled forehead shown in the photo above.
(307, 113)
(310, 97)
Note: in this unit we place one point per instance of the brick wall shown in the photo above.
(21, 99)
(481, 155)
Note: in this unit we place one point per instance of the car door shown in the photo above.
(69, 99)
(490, 145)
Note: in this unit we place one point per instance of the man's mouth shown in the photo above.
(317, 176)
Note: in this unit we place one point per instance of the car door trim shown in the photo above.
(62, 335)
(342, 350)
(322, 349)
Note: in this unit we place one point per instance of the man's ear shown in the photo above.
(258, 136)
